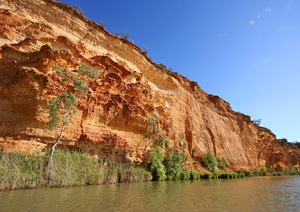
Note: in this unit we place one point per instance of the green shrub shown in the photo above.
(293, 169)
(169, 177)
(214, 176)
(247, 173)
(256, 171)
(286, 171)
(210, 162)
(163, 66)
(157, 167)
(297, 144)
(234, 175)
(147, 176)
(173, 162)
(182, 175)
(177, 177)
(207, 176)
(193, 176)
(224, 176)
(241, 176)
(223, 163)
(263, 171)
(270, 169)
(185, 175)
(198, 175)
(188, 175)
(273, 174)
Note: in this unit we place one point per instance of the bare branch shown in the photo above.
(16, 10)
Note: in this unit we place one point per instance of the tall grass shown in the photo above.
(19, 171)
(68, 169)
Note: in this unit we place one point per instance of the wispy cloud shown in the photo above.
(258, 16)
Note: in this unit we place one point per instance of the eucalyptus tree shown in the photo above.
(73, 87)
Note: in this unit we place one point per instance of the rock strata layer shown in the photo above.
(112, 120)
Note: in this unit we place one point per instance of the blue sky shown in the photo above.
(245, 51)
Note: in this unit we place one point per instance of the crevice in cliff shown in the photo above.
(188, 135)
(213, 140)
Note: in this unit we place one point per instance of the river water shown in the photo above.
(281, 193)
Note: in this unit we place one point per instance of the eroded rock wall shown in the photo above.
(111, 121)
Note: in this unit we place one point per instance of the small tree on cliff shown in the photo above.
(61, 107)
(154, 136)
(256, 122)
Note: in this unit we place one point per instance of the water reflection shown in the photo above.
(250, 194)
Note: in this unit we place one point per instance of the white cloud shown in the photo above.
(251, 22)
(268, 9)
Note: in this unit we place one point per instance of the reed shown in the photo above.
(18, 171)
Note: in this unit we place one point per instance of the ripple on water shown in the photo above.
(250, 194)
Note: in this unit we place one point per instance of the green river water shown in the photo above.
(280, 193)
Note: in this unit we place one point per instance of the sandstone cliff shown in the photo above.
(111, 122)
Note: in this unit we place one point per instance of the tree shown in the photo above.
(78, 9)
(223, 163)
(210, 162)
(163, 66)
(157, 167)
(145, 49)
(257, 122)
(173, 162)
(61, 107)
(153, 135)
(100, 23)
(125, 35)
(184, 146)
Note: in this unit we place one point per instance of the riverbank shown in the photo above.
(18, 171)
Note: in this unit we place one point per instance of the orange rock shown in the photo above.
(111, 121)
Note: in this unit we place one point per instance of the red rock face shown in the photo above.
(112, 120)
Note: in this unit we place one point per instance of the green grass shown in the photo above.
(19, 171)
(224, 175)
(169, 177)
(207, 176)
(214, 176)
(193, 176)
(185, 175)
